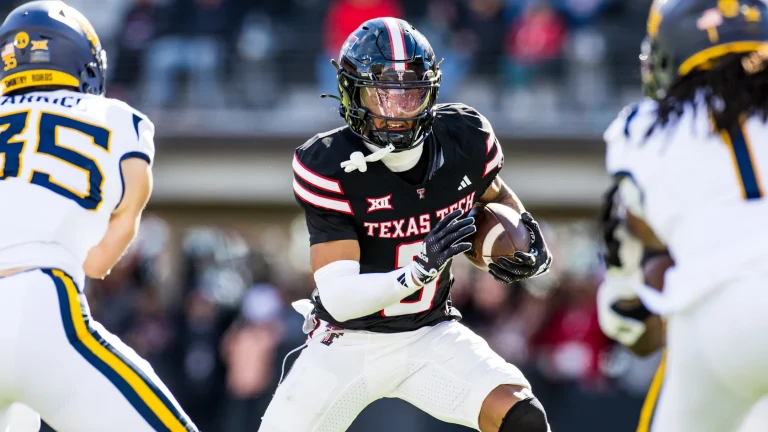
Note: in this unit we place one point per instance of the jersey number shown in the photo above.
(745, 166)
(405, 254)
(48, 143)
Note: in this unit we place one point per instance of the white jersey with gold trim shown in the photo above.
(60, 177)
(701, 193)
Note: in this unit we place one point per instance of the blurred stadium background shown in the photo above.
(233, 85)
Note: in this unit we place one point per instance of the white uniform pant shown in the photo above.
(66, 367)
(445, 370)
(716, 361)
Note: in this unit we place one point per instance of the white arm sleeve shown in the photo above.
(346, 294)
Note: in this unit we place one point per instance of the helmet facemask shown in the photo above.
(647, 74)
(396, 116)
(394, 107)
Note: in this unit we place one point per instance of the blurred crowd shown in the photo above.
(210, 309)
(257, 54)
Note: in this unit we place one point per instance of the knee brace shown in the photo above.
(525, 416)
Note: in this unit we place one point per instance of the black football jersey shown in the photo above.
(390, 217)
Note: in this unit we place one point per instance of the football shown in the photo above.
(500, 233)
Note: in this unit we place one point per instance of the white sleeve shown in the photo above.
(142, 144)
(618, 150)
(346, 294)
(631, 196)
(627, 135)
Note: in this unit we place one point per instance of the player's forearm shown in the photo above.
(630, 209)
(102, 257)
(499, 192)
(652, 340)
(346, 294)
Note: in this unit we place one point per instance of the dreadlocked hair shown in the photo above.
(734, 88)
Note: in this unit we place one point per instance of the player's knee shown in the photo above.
(526, 415)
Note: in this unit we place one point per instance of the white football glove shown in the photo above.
(616, 287)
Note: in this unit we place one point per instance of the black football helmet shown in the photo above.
(387, 74)
(50, 44)
(688, 35)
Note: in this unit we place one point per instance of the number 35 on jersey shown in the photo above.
(71, 157)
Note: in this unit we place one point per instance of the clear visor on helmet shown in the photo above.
(395, 102)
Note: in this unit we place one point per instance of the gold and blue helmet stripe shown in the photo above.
(48, 43)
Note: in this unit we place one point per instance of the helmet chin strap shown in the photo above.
(358, 161)
(396, 162)
(403, 160)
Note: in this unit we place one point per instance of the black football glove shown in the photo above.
(529, 264)
(622, 251)
(442, 244)
(609, 222)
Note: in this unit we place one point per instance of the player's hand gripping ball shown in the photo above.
(442, 243)
(508, 245)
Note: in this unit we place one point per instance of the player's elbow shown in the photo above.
(338, 311)
(341, 304)
(96, 270)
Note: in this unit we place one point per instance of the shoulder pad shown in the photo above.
(464, 122)
(626, 132)
(316, 168)
(120, 105)
(632, 122)
(324, 153)
(459, 113)
(118, 112)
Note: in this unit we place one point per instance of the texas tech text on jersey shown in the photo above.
(389, 216)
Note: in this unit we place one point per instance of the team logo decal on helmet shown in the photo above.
(21, 40)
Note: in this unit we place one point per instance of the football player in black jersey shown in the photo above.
(385, 200)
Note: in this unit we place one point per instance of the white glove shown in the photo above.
(618, 286)
(630, 253)
(306, 309)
